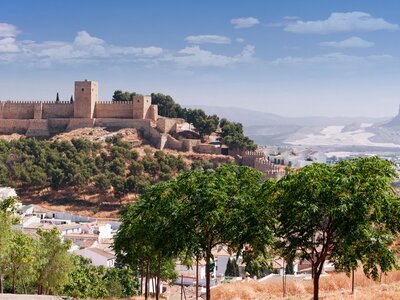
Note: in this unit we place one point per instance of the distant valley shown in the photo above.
(331, 133)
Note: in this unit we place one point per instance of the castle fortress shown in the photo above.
(44, 118)
(41, 119)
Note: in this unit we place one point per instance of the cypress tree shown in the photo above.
(229, 268)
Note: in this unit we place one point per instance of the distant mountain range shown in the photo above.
(268, 128)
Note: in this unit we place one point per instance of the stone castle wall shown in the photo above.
(9, 126)
(118, 110)
(57, 110)
(168, 124)
(259, 161)
(35, 110)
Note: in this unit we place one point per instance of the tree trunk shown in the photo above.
(153, 284)
(158, 277)
(141, 277)
(317, 270)
(197, 278)
(208, 275)
(146, 288)
(316, 285)
(13, 285)
(352, 281)
(1, 283)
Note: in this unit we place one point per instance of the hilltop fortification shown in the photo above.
(45, 118)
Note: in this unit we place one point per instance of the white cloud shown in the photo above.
(244, 22)
(239, 40)
(8, 45)
(194, 56)
(352, 42)
(341, 22)
(335, 59)
(207, 39)
(84, 48)
(8, 30)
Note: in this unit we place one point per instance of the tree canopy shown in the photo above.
(120, 96)
(191, 215)
(347, 213)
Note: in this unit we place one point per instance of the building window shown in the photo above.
(83, 89)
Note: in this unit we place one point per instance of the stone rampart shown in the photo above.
(8, 126)
(152, 113)
(38, 128)
(165, 125)
(58, 125)
(189, 144)
(173, 143)
(17, 110)
(207, 149)
(57, 110)
(142, 125)
(76, 123)
(114, 110)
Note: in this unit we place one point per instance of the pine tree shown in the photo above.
(57, 98)
(71, 100)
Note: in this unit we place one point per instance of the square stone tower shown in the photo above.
(141, 105)
(86, 97)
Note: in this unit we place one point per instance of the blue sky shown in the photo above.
(294, 58)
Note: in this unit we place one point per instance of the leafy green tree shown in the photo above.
(347, 213)
(121, 282)
(102, 183)
(233, 136)
(146, 235)
(7, 206)
(136, 168)
(22, 261)
(55, 262)
(85, 280)
(211, 210)
(122, 96)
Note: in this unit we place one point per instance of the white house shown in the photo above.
(6, 192)
(105, 231)
(99, 257)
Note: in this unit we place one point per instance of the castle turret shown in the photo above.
(86, 97)
(141, 105)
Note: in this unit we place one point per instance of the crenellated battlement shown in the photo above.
(253, 154)
(259, 161)
(115, 102)
(34, 102)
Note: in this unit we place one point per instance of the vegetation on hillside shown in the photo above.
(232, 132)
(114, 167)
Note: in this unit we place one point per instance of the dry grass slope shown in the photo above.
(337, 286)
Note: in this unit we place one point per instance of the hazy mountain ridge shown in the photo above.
(269, 128)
